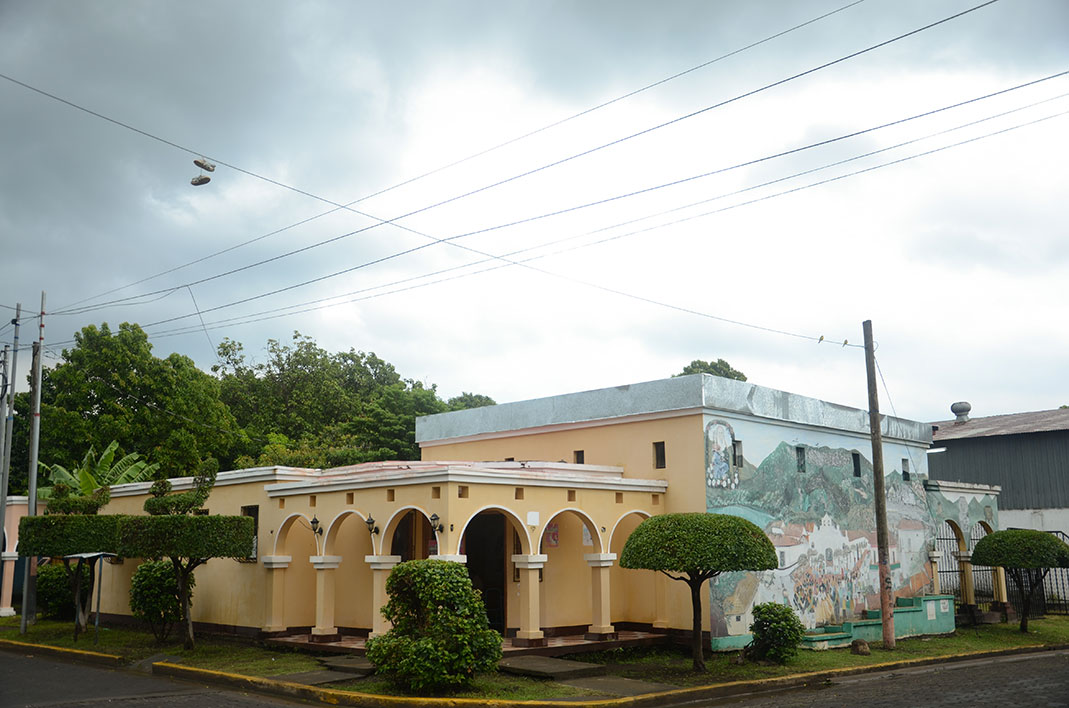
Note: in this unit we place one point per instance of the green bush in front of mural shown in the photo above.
(55, 593)
(777, 631)
(698, 547)
(440, 636)
(1027, 555)
(154, 597)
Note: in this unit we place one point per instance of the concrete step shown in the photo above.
(358, 665)
(548, 668)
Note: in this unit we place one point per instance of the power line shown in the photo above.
(425, 174)
(722, 196)
(556, 163)
(659, 226)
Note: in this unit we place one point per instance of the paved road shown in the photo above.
(36, 681)
(1033, 680)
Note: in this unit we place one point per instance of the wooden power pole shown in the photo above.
(887, 609)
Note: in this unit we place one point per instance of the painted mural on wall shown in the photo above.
(820, 518)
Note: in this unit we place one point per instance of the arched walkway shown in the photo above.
(640, 603)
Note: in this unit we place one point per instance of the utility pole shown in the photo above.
(9, 419)
(887, 610)
(3, 444)
(29, 584)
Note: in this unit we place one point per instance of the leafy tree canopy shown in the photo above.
(1027, 555)
(469, 400)
(693, 548)
(716, 368)
(110, 387)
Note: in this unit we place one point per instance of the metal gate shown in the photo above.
(949, 574)
(983, 576)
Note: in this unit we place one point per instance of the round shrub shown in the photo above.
(440, 635)
(776, 631)
(154, 597)
(55, 598)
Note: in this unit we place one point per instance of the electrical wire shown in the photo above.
(556, 163)
(430, 172)
(639, 297)
(693, 204)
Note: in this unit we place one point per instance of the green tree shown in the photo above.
(94, 473)
(693, 548)
(154, 597)
(440, 635)
(776, 631)
(110, 387)
(173, 531)
(716, 368)
(1027, 555)
(469, 400)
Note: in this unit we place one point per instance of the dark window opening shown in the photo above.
(659, 461)
(905, 470)
(736, 453)
(800, 454)
(253, 512)
(857, 463)
(578, 457)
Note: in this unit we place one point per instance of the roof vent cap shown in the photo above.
(961, 411)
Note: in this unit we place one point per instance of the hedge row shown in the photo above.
(137, 536)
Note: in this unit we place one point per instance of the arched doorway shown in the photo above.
(634, 598)
(950, 543)
(984, 577)
(566, 538)
(484, 544)
(413, 538)
(296, 540)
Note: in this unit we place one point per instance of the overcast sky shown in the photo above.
(960, 257)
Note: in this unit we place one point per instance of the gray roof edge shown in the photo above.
(680, 393)
(659, 396)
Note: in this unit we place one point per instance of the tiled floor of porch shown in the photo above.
(555, 646)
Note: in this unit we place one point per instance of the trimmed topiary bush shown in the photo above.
(440, 636)
(693, 548)
(55, 596)
(154, 597)
(776, 630)
(1027, 555)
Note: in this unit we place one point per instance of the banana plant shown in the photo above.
(93, 472)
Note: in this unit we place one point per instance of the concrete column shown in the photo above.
(530, 632)
(660, 592)
(6, 609)
(933, 558)
(324, 629)
(1000, 585)
(601, 604)
(968, 592)
(276, 593)
(380, 570)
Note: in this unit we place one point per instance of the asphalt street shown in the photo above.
(1033, 680)
(26, 680)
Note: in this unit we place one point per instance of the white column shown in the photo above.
(601, 604)
(324, 630)
(276, 592)
(530, 632)
(380, 570)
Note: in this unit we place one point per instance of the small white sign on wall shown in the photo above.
(944, 605)
(931, 611)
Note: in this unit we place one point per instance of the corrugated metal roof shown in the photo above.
(1012, 424)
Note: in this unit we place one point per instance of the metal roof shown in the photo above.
(1011, 424)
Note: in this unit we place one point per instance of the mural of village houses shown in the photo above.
(812, 495)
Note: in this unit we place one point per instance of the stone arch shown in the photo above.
(514, 520)
(634, 596)
(330, 538)
(951, 543)
(424, 532)
(985, 579)
(612, 534)
(282, 537)
(584, 518)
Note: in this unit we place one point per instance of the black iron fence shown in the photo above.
(1051, 598)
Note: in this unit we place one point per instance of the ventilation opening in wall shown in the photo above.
(571, 495)
(390, 496)
(857, 463)
(656, 500)
(436, 492)
(462, 491)
(518, 493)
(312, 500)
(578, 457)
(281, 505)
(619, 497)
(349, 498)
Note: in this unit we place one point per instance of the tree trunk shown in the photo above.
(697, 650)
(183, 593)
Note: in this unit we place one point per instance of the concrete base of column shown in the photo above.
(529, 641)
(7, 611)
(269, 632)
(320, 636)
(591, 636)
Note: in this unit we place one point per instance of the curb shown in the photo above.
(677, 696)
(90, 657)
